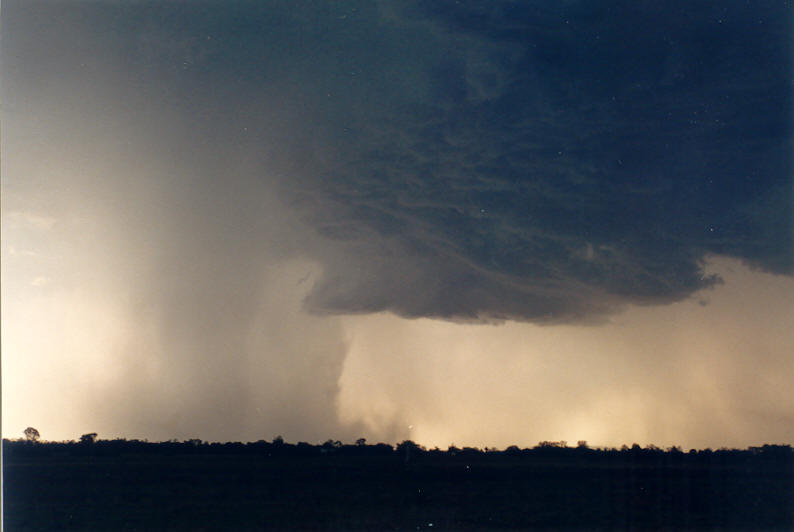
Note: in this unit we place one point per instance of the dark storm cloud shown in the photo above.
(470, 160)
(554, 163)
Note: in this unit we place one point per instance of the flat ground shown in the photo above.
(78, 488)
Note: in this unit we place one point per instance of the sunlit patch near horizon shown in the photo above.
(668, 375)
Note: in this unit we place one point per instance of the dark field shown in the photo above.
(123, 485)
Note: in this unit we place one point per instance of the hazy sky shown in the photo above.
(469, 222)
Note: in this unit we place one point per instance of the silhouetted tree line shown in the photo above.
(407, 451)
(119, 484)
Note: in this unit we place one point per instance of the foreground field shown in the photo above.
(263, 486)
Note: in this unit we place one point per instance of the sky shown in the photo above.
(456, 222)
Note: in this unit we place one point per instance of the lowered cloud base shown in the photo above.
(215, 220)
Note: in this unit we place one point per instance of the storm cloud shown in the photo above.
(474, 161)
(184, 181)
(554, 164)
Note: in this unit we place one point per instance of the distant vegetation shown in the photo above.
(95, 484)
(32, 446)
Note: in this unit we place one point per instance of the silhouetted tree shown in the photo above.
(407, 447)
(553, 444)
(88, 439)
(361, 442)
(31, 434)
(513, 450)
